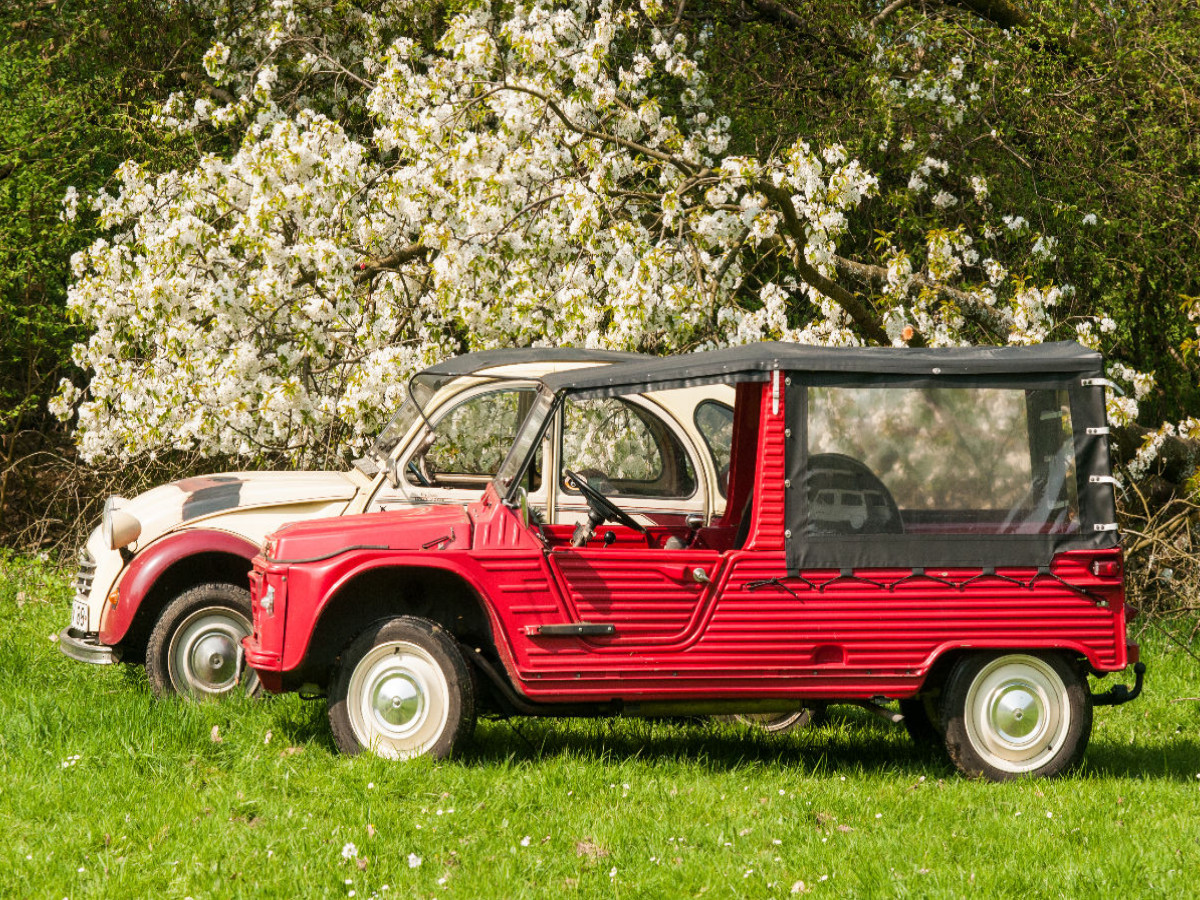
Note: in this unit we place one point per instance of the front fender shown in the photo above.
(152, 563)
(312, 589)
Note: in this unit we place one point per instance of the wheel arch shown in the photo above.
(442, 595)
(161, 572)
(943, 660)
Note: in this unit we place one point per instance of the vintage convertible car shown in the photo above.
(935, 527)
(162, 580)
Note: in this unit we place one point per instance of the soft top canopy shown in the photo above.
(470, 363)
(755, 362)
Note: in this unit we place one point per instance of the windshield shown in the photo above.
(420, 390)
(528, 435)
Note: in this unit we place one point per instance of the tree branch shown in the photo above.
(869, 324)
(981, 314)
(372, 266)
(211, 89)
(888, 11)
(781, 15)
(685, 167)
(998, 12)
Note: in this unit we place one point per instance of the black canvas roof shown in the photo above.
(470, 363)
(755, 362)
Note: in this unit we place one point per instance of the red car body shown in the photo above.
(701, 619)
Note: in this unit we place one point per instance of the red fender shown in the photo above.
(345, 570)
(150, 564)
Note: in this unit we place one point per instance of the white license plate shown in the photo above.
(79, 616)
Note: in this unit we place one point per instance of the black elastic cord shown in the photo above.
(918, 572)
(778, 582)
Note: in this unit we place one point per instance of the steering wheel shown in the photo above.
(416, 473)
(844, 476)
(601, 506)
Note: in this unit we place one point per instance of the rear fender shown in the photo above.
(942, 660)
(158, 561)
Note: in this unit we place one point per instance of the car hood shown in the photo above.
(419, 528)
(163, 508)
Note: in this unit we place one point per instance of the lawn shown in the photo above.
(107, 792)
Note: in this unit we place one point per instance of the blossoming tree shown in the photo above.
(533, 172)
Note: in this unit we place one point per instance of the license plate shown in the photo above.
(79, 616)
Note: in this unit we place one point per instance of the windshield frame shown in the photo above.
(400, 424)
(530, 434)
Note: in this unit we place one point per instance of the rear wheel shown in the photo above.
(1013, 714)
(195, 648)
(402, 690)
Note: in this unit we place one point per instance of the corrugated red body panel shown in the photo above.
(756, 637)
(766, 532)
(644, 593)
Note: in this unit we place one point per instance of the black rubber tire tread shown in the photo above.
(919, 723)
(959, 747)
(431, 637)
(218, 595)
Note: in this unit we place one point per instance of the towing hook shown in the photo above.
(1119, 693)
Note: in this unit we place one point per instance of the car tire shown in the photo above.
(401, 690)
(1009, 715)
(779, 723)
(195, 647)
(921, 721)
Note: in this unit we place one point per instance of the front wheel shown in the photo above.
(921, 720)
(1013, 714)
(402, 690)
(195, 648)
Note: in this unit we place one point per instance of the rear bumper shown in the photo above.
(1120, 693)
(87, 648)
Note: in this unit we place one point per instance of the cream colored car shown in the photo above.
(163, 579)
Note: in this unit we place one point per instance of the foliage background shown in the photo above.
(78, 84)
(1084, 121)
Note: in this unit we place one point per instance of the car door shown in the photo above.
(635, 595)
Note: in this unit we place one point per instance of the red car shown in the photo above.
(935, 527)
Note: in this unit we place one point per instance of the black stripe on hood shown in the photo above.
(217, 494)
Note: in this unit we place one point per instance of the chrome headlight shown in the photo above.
(117, 527)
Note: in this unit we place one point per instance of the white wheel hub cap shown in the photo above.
(205, 654)
(398, 700)
(1017, 713)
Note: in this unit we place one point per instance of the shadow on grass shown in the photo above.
(845, 744)
(300, 722)
(851, 742)
(1178, 759)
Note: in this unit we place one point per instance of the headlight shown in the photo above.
(117, 527)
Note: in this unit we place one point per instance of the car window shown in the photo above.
(947, 460)
(468, 444)
(624, 450)
(714, 421)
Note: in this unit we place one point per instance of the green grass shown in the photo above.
(154, 807)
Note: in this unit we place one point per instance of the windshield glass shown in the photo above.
(420, 391)
(528, 436)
